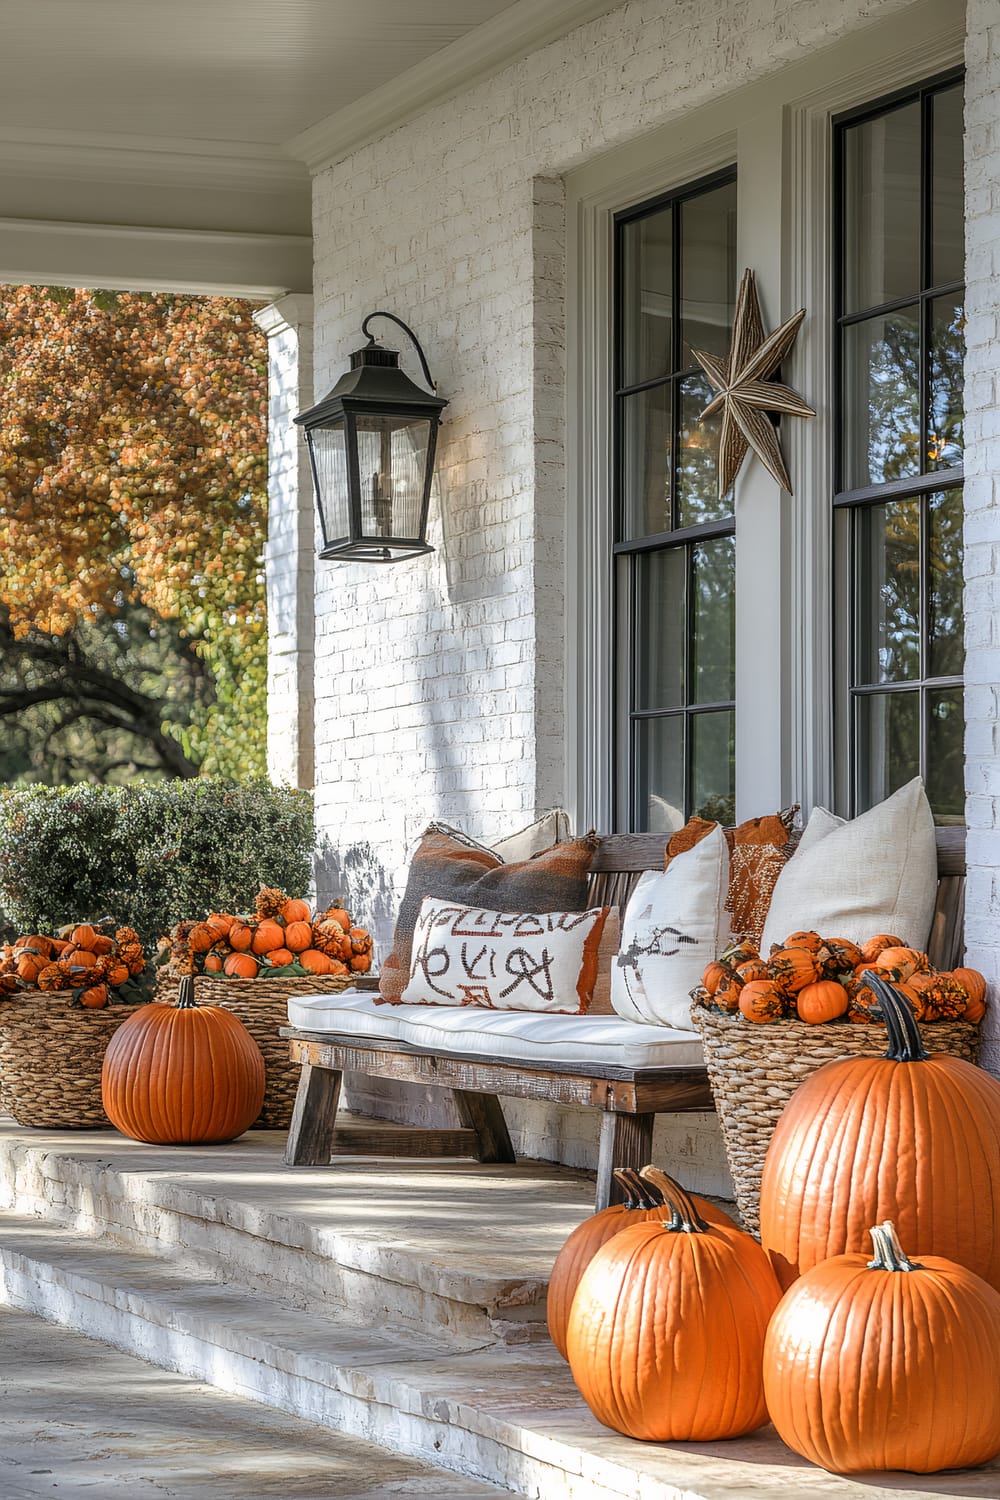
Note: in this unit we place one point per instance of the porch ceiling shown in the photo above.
(206, 116)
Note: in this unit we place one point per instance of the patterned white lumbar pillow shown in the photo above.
(675, 923)
(497, 960)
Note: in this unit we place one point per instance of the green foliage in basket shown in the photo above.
(149, 855)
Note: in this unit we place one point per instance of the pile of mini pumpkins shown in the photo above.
(98, 967)
(679, 1327)
(282, 939)
(816, 979)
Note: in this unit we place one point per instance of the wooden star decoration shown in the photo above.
(745, 391)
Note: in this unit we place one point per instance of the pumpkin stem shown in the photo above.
(683, 1214)
(639, 1194)
(185, 994)
(905, 1041)
(889, 1253)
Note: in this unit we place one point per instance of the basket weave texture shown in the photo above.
(51, 1054)
(755, 1069)
(262, 1006)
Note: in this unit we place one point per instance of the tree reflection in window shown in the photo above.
(901, 327)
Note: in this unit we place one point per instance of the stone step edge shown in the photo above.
(512, 1299)
(385, 1402)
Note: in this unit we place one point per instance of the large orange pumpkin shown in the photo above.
(643, 1200)
(907, 1136)
(298, 936)
(886, 1364)
(666, 1332)
(182, 1074)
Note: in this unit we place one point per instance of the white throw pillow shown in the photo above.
(551, 828)
(877, 873)
(497, 960)
(675, 923)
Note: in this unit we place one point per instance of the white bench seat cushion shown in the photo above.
(501, 1036)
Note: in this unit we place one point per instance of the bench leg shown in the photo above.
(482, 1113)
(314, 1118)
(626, 1141)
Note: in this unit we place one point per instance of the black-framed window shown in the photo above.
(899, 215)
(674, 543)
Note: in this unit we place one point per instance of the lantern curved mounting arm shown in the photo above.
(410, 334)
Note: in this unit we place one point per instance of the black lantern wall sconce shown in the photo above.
(371, 445)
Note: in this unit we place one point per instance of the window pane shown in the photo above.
(698, 497)
(888, 581)
(945, 621)
(713, 647)
(646, 279)
(708, 271)
(645, 462)
(888, 748)
(881, 399)
(947, 200)
(659, 774)
(660, 628)
(945, 775)
(713, 766)
(882, 209)
(944, 421)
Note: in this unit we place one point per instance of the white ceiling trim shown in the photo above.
(520, 29)
(123, 258)
(170, 160)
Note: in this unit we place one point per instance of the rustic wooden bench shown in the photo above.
(629, 1098)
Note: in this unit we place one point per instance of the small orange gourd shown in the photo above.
(269, 935)
(825, 1000)
(761, 1000)
(298, 936)
(315, 962)
(240, 966)
(296, 911)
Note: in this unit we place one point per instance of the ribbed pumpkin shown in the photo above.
(666, 1332)
(886, 1364)
(643, 1201)
(182, 1074)
(907, 1136)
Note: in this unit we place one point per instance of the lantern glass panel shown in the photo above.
(329, 454)
(392, 465)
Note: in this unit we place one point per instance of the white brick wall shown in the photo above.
(982, 502)
(288, 552)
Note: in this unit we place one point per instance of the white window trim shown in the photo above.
(778, 134)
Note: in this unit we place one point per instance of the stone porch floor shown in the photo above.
(398, 1301)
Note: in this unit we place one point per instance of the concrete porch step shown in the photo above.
(377, 1237)
(507, 1416)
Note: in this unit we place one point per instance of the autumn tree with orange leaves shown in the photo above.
(133, 468)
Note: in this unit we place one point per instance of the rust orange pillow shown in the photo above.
(759, 849)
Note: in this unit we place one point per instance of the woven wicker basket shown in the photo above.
(262, 1006)
(51, 1053)
(754, 1070)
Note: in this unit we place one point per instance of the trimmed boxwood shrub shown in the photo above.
(149, 855)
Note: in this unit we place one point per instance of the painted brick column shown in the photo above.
(289, 551)
(982, 504)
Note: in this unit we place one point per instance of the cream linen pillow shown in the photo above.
(877, 873)
(551, 828)
(675, 923)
